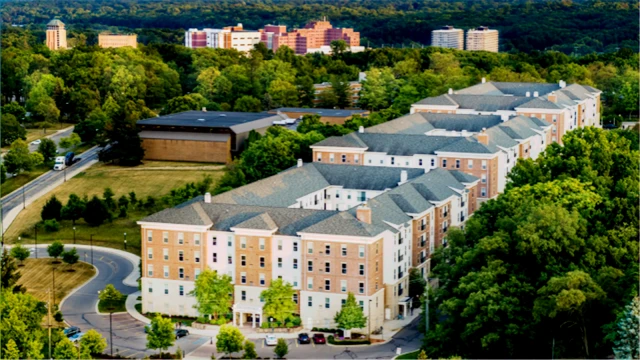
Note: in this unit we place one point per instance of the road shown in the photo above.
(34, 188)
(79, 309)
(55, 137)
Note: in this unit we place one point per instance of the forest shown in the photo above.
(577, 27)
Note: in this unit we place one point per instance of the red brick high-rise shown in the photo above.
(312, 37)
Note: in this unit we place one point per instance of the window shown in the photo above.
(310, 247)
(295, 298)
(181, 273)
(166, 271)
(483, 192)
(470, 164)
(393, 160)
(327, 285)
(356, 158)
(243, 278)
(295, 246)
(327, 303)
(327, 267)
(344, 158)
(181, 290)
(363, 196)
(149, 236)
(166, 289)
(433, 162)
(165, 237)
(331, 158)
(280, 262)
(243, 295)
(243, 260)
(376, 266)
(261, 262)
(344, 268)
(262, 282)
(150, 253)
(327, 249)
(361, 269)
(420, 162)
(165, 254)
(196, 274)
(229, 260)
(150, 289)
(243, 243)
(295, 264)
(180, 238)
(180, 255)
(214, 241)
(279, 244)
(319, 157)
(215, 257)
(484, 178)
(457, 164)
(150, 270)
(343, 285)
(310, 265)
(361, 251)
(230, 241)
(343, 250)
(343, 301)
(484, 164)
(444, 163)
(196, 239)
(310, 283)
(361, 288)
(196, 256)
(261, 243)
(295, 281)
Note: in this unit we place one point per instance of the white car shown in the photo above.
(270, 340)
(36, 142)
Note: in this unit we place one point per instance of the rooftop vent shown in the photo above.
(200, 119)
(223, 114)
(535, 94)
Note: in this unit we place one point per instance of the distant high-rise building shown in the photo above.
(316, 36)
(482, 38)
(448, 37)
(106, 40)
(230, 37)
(56, 35)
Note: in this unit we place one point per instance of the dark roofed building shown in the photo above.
(201, 136)
(331, 116)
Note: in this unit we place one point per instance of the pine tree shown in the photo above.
(11, 352)
(9, 275)
(627, 345)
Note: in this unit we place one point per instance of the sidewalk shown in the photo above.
(392, 327)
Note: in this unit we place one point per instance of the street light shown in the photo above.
(53, 274)
(369, 320)
(125, 241)
(110, 325)
(74, 235)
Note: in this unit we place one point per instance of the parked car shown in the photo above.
(181, 333)
(36, 142)
(270, 340)
(303, 338)
(319, 339)
(70, 331)
(75, 338)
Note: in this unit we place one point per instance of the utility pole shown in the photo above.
(35, 249)
(49, 322)
(369, 318)
(24, 204)
(111, 331)
(53, 274)
(427, 311)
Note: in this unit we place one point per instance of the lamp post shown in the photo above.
(74, 235)
(24, 203)
(369, 320)
(35, 248)
(91, 240)
(53, 275)
(125, 241)
(110, 324)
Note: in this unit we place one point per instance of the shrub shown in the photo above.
(327, 330)
(297, 321)
(202, 320)
(51, 225)
(331, 339)
(264, 325)
(58, 316)
(289, 325)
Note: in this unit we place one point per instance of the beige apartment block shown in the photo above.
(448, 37)
(56, 35)
(482, 39)
(117, 40)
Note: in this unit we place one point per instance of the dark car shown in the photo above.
(181, 333)
(319, 339)
(70, 331)
(609, 126)
(303, 338)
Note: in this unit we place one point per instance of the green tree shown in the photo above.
(278, 300)
(93, 342)
(93, 126)
(107, 196)
(70, 141)
(193, 101)
(3, 174)
(266, 157)
(206, 83)
(282, 348)
(417, 283)
(160, 335)
(422, 355)
(11, 130)
(20, 252)
(338, 47)
(65, 350)
(378, 89)
(19, 159)
(70, 257)
(229, 339)
(11, 351)
(55, 249)
(52, 209)
(283, 94)
(212, 292)
(10, 273)
(350, 315)
(110, 296)
(341, 89)
(247, 103)
(249, 350)
(96, 212)
(48, 149)
(74, 209)
(627, 328)
(15, 109)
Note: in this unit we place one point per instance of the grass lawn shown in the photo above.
(174, 319)
(115, 307)
(411, 355)
(14, 183)
(37, 277)
(143, 179)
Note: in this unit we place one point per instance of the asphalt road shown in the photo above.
(80, 308)
(56, 138)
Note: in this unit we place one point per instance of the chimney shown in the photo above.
(552, 97)
(484, 80)
(562, 84)
(207, 198)
(535, 94)
(403, 177)
(363, 213)
(299, 162)
(204, 109)
(528, 94)
(450, 91)
(483, 137)
(361, 129)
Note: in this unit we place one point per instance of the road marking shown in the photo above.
(313, 343)
(296, 343)
(263, 344)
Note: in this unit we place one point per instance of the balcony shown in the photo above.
(400, 291)
(445, 214)
(400, 275)
(400, 258)
(422, 259)
(423, 243)
(422, 227)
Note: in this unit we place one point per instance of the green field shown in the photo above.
(153, 178)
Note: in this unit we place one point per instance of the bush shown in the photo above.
(327, 330)
(264, 325)
(51, 225)
(58, 316)
(289, 325)
(297, 321)
(202, 320)
(333, 341)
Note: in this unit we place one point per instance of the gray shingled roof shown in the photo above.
(521, 88)
(55, 22)
(404, 144)
(350, 140)
(479, 102)
(364, 177)
(444, 100)
(459, 122)
(415, 123)
(463, 177)
(322, 112)
(258, 222)
(498, 137)
(539, 103)
(487, 88)
(469, 145)
(344, 223)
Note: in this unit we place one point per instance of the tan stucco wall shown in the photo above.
(187, 150)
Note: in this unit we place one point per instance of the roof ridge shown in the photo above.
(201, 213)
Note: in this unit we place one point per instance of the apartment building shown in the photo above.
(56, 35)
(316, 36)
(331, 116)
(448, 37)
(482, 39)
(230, 37)
(392, 220)
(106, 40)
